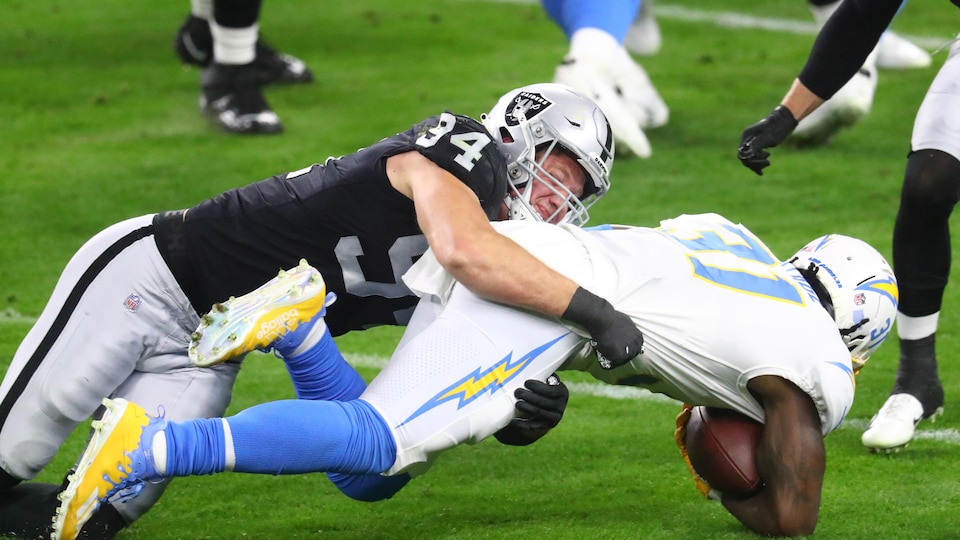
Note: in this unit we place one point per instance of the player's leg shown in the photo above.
(454, 381)
(194, 45)
(193, 42)
(285, 315)
(230, 93)
(643, 36)
(67, 363)
(922, 257)
(298, 436)
(598, 65)
(169, 384)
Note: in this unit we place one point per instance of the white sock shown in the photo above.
(159, 449)
(230, 460)
(234, 46)
(313, 337)
(916, 327)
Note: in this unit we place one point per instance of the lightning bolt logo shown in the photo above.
(469, 388)
(886, 286)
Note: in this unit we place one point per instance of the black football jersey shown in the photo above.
(344, 217)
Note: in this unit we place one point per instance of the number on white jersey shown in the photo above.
(730, 256)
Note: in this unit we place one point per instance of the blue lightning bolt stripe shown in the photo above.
(475, 384)
(885, 286)
(846, 369)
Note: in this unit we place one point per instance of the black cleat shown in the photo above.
(275, 67)
(231, 97)
(194, 45)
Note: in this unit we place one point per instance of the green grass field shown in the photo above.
(98, 122)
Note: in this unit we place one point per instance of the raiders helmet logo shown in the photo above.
(526, 105)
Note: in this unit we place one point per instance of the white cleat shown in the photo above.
(643, 38)
(896, 52)
(847, 107)
(895, 424)
(601, 68)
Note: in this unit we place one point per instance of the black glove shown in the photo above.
(615, 338)
(540, 407)
(767, 133)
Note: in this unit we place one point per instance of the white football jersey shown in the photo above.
(715, 306)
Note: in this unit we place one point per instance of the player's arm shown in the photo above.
(791, 459)
(495, 267)
(457, 230)
(840, 49)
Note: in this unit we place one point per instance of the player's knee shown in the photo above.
(932, 180)
(369, 487)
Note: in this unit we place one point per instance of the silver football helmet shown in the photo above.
(528, 124)
(861, 286)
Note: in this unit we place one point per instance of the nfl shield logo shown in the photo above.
(859, 299)
(133, 302)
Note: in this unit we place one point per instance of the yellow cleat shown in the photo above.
(257, 319)
(113, 463)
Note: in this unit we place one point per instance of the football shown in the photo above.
(722, 446)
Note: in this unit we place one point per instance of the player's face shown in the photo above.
(565, 171)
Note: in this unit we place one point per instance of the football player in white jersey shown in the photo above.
(726, 323)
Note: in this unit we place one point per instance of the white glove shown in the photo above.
(601, 68)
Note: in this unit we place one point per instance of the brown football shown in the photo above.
(722, 445)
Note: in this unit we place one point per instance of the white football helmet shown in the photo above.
(861, 286)
(529, 123)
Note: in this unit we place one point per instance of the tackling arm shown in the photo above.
(486, 262)
(495, 267)
(791, 459)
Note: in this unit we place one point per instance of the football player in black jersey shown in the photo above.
(120, 318)
(931, 188)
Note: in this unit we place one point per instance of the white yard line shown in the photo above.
(730, 19)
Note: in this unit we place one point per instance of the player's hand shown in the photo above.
(541, 404)
(680, 436)
(540, 407)
(622, 90)
(618, 343)
(766, 133)
(615, 338)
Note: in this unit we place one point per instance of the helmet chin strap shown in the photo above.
(518, 209)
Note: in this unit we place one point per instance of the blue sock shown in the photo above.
(195, 447)
(322, 373)
(299, 436)
(368, 487)
(611, 16)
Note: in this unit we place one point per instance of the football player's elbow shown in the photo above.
(460, 258)
(798, 527)
(795, 520)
